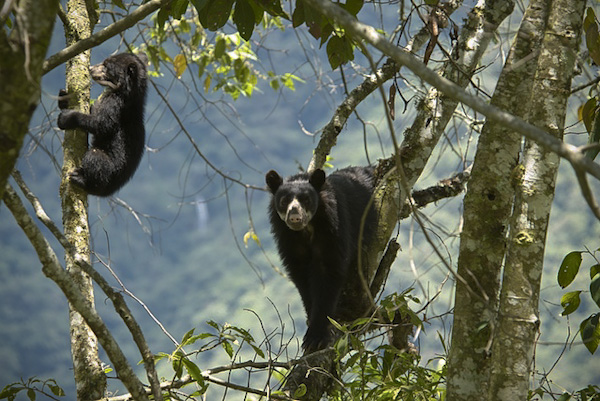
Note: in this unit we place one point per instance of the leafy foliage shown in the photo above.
(32, 387)
(223, 61)
(588, 112)
(589, 328)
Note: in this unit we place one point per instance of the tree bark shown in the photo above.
(487, 207)
(518, 315)
(22, 52)
(89, 375)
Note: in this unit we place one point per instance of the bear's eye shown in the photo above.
(283, 201)
(304, 199)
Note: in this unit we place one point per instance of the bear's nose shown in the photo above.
(294, 216)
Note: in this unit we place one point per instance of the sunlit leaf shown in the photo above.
(193, 370)
(569, 268)
(300, 391)
(180, 65)
(228, 348)
(570, 302)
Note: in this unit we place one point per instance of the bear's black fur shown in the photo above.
(316, 224)
(116, 121)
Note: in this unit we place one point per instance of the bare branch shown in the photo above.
(99, 37)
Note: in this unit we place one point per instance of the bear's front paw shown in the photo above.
(317, 338)
(75, 177)
(66, 120)
(63, 99)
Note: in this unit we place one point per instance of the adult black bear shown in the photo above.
(116, 121)
(316, 224)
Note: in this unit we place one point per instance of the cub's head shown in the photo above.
(296, 198)
(124, 72)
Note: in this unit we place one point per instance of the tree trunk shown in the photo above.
(518, 315)
(89, 375)
(22, 52)
(487, 207)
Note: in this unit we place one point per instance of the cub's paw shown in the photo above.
(66, 120)
(76, 178)
(63, 99)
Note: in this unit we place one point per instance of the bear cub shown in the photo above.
(315, 221)
(116, 122)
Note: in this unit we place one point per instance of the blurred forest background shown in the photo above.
(175, 234)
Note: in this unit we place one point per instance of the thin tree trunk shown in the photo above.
(518, 316)
(487, 207)
(22, 52)
(89, 376)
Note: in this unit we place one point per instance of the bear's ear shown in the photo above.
(143, 58)
(317, 179)
(273, 180)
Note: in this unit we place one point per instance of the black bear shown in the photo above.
(116, 121)
(315, 221)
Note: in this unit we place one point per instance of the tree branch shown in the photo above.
(117, 299)
(53, 270)
(101, 36)
(370, 35)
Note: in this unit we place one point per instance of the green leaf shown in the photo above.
(243, 18)
(590, 332)
(193, 370)
(199, 4)
(300, 391)
(339, 51)
(273, 7)
(569, 268)
(179, 64)
(220, 47)
(31, 394)
(595, 289)
(592, 37)
(57, 390)
(228, 348)
(298, 14)
(178, 8)
(353, 6)
(564, 397)
(595, 269)
(588, 111)
(119, 3)
(570, 302)
(218, 13)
